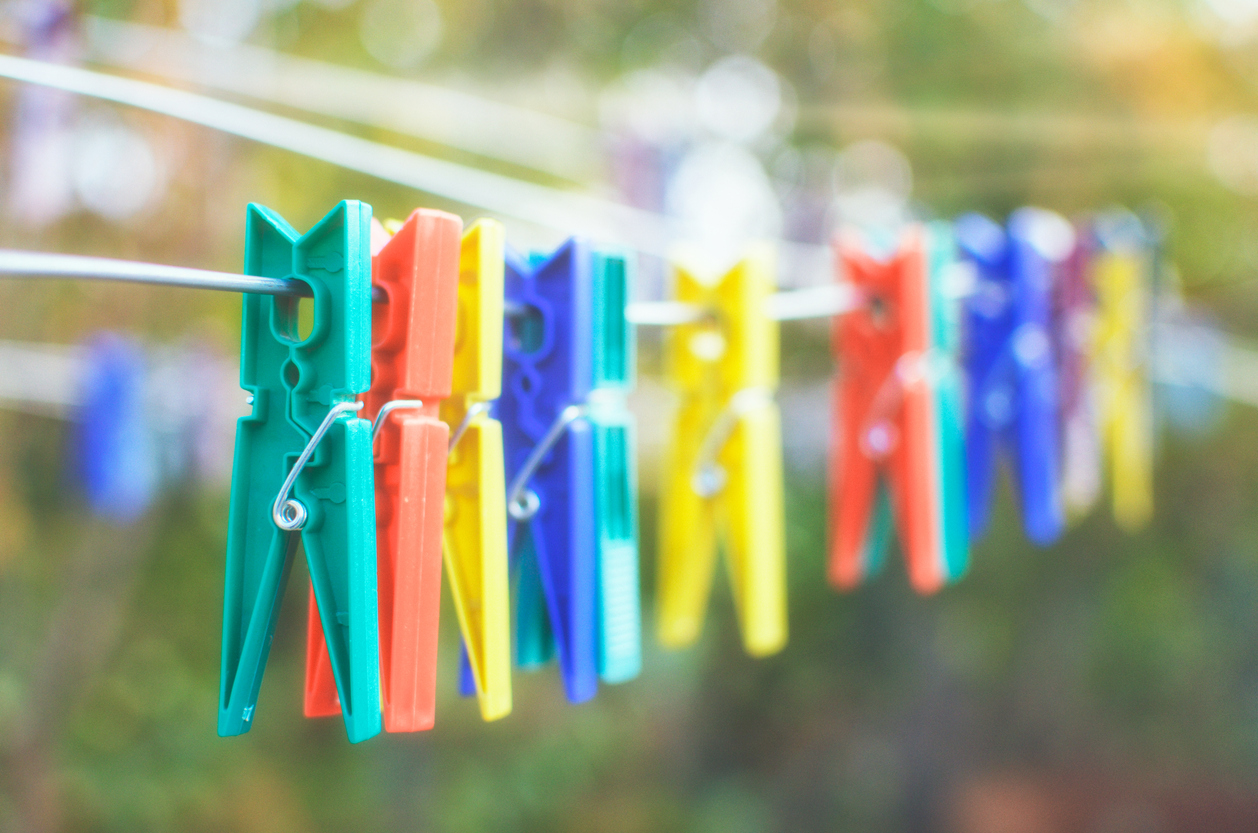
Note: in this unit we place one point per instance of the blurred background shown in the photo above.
(1107, 684)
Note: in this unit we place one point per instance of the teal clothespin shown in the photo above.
(945, 369)
(615, 471)
(303, 439)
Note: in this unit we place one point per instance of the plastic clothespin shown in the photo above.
(1122, 261)
(1074, 324)
(899, 448)
(303, 439)
(1011, 366)
(476, 512)
(723, 471)
(411, 356)
(568, 364)
(116, 453)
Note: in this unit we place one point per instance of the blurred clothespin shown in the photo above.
(1122, 260)
(303, 463)
(475, 540)
(116, 456)
(568, 364)
(723, 471)
(898, 449)
(1011, 366)
(1074, 324)
(411, 361)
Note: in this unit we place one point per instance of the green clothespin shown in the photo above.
(303, 462)
(945, 310)
(615, 471)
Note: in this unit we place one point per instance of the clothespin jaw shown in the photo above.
(1120, 274)
(412, 353)
(899, 449)
(296, 384)
(1011, 367)
(723, 470)
(548, 368)
(475, 540)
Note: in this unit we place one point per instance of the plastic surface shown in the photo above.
(475, 539)
(411, 358)
(577, 556)
(898, 454)
(116, 455)
(1012, 372)
(707, 364)
(1121, 264)
(294, 383)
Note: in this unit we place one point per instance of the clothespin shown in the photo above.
(115, 450)
(723, 470)
(568, 364)
(899, 444)
(303, 462)
(476, 513)
(1074, 324)
(1122, 261)
(417, 268)
(1011, 367)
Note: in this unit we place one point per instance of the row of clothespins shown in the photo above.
(430, 425)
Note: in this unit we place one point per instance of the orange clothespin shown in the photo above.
(412, 352)
(898, 458)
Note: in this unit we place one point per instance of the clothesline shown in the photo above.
(815, 302)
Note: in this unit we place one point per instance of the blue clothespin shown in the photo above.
(1012, 374)
(569, 447)
(303, 463)
(115, 450)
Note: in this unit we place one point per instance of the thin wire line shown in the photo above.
(53, 265)
(522, 502)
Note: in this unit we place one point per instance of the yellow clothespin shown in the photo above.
(723, 473)
(475, 540)
(1120, 268)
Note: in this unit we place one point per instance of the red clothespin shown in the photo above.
(412, 356)
(898, 459)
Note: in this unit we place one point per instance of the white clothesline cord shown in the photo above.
(456, 119)
(823, 301)
(567, 212)
(564, 211)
